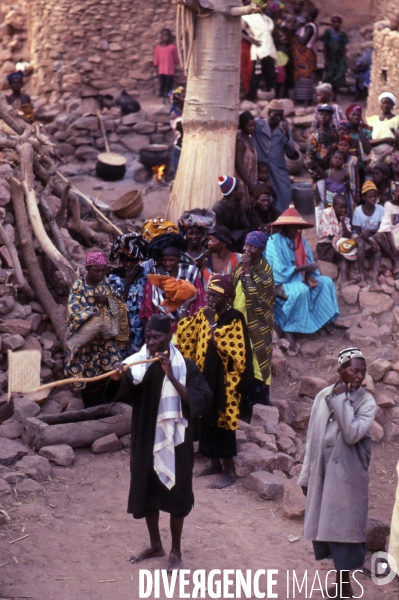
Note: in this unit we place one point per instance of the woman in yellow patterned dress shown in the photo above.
(216, 338)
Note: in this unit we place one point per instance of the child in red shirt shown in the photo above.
(165, 58)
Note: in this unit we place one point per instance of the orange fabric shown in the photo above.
(158, 226)
(177, 290)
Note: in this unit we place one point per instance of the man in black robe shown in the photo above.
(148, 494)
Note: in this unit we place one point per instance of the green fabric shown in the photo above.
(260, 295)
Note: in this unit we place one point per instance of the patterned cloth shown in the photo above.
(157, 226)
(96, 258)
(319, 150)
(306, 310)
(232, 263)
(335, 47)
(346, 355)
(171, 425)
(259, 293)
(99, 356)
(133, 302)
(329, 226)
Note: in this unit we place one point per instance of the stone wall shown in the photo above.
(14, 37)
(95, 46)
(385, 67)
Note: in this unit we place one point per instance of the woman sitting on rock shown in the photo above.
(306, 301)
(385, 126)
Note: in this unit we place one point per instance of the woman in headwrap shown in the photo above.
(255, 295)
(335, 42)
(324, 95)
(384, 125)
(246, 164)
(97, 329)
(264, 211)
(381, 177)
(216, 339)
(15, 81)
(306, 301)
(167, 252)
(129, 281)
(194, 225)
(220, 259)
(304, 58)
(177, 98)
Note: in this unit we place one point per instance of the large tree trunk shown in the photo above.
(210, 114)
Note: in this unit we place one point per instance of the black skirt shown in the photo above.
(346, 556)
(216, 442)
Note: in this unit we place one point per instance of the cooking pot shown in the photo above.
(154, 155)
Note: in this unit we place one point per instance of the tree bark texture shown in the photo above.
(210, 115)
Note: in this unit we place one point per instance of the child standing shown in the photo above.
(165, 58)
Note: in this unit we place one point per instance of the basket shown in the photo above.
(128, 206)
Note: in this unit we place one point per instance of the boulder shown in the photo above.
(376, 432)
(375, 303)
(135, 142)
(263, 415)
(12, 477)
(270, 486)
(380, 416)
(15, 326)
(284, 410)
(378, 368)
(257, 435)
(295, 471)
(258, 459)
(294, 501)
(126, 440)
(279, 363)
(285, 430)
(11, 429)
(240, 437)
(368, 384)
(285, 444)
(349, 320)
(12, 342)
(6, 304)
(5, 488)
(312, 349)
(24, 408)
(350, 294)
(35, 467)
(359, 336)
(11, 451)
(384, 333)
(108, 443)
(388, 319)
(301, 414)
(384, 401)
(391, 432)
(51, 407)
(285, 462)
(29, 486)
(311, 386)
(60, 454)
(391, 378)
(392, 414)
(145, 127)
(377, 535)
(328, 269)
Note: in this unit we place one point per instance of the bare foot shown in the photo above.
(362, 282)
(147, 553)
(290, 338)
(224, 481)
(210, 469)
(175, 562)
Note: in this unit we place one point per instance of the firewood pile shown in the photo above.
(45, 231)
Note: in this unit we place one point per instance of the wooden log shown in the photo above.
(22, 284)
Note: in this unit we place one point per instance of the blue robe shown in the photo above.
(271, 147)
(307, 309)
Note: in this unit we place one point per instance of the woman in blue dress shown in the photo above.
(129, 280)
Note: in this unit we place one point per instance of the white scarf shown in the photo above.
(171, 425)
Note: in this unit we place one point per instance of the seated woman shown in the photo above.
(97, 330)
(381, 177)
(129, 281)
(219, 259)
(366, 222)
(306, 301)
(167, 252)
(334, 228)
(384, 125)
(194, 225)
(264, 211)
(386, 236)
(15, 81)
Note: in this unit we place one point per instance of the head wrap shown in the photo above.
(197, 217)
(387, 95)
(223, 234)
(368, 186)
(325, 108)
(131, 246)
(345, 138)
(291, 217)
(259, 189)
(346, 124)
(176, 291)
(336, 16)
(157, 226)
(257, 239)
(346, 355)
(15, 75)
(324, 87)
(96, 258)
(171, 251)
(276, 5)
(276, 105)
(227, 184)
(351, 107)
(167, 240)
(174, 95)
(244, 118)
(385, 169)
(222, 284)
(160, 323)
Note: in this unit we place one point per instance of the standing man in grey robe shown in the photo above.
(334, 475)
(272, 140)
